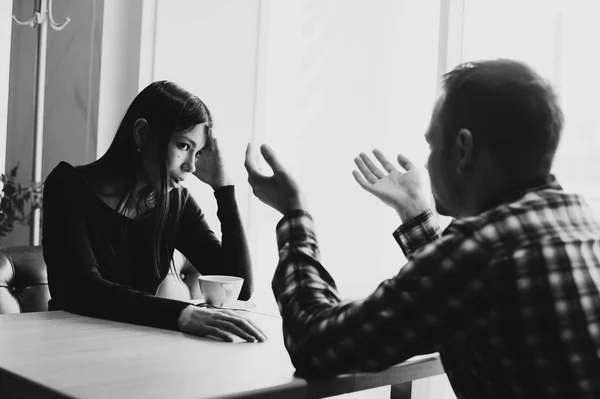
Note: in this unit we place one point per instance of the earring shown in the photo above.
(139, 148)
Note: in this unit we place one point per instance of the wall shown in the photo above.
(72, 71)
(5, 29)
(120, 67)
(215, 57)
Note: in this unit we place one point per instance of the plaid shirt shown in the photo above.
(510, 298)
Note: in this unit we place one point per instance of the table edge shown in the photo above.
(410, 370)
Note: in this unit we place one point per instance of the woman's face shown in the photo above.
(182, 153)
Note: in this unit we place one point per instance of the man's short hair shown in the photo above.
(509, 109)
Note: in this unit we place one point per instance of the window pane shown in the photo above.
(343, 77)
(557, 38)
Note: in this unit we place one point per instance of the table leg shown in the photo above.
(401, 391)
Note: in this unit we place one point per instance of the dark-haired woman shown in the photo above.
(110, 227)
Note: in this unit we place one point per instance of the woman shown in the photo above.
(110, 227)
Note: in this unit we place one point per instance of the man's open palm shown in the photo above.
(400, 190)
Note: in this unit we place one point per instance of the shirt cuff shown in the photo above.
(296, 234)
(418, 232)
(291, 215)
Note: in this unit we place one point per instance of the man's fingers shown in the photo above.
(387, 165)
(372, 167)
(249, 161)
(361, 181)
(405, 162)
(255, 175)
(271, 159)
(368, 175)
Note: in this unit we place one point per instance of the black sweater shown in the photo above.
(100, 262)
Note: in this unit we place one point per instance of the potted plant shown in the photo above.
(17, 201)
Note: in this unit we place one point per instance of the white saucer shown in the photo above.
(237, 304)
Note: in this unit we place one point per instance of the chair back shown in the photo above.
(24, 280)
(182, 283)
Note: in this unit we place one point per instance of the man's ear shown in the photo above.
(465, 147)
(140, 132)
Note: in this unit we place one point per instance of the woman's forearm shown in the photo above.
(235, 251)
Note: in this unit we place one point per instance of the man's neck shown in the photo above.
(503, 191)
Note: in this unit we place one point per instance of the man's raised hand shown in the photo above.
(280, 191)
(400, 189)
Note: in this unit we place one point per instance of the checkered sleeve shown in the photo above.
(297, 241)
(419, 231)
(433, 297)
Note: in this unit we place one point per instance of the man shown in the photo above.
(508, 293)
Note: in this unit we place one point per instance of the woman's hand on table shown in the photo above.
(219, 323)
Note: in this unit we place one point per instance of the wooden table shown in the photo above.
(62, 355)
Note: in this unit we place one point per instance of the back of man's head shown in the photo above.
(511, 111)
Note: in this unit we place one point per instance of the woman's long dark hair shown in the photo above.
(167, 108)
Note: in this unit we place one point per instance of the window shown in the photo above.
(555, 38)
(344, 77)
(321, 81)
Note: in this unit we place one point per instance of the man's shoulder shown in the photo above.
(530, 217)
(548, 202)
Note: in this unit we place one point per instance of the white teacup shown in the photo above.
(220, 290)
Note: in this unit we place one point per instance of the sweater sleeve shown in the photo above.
(208, 254)
(75, 282)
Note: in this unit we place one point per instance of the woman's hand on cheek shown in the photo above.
(210, 168)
